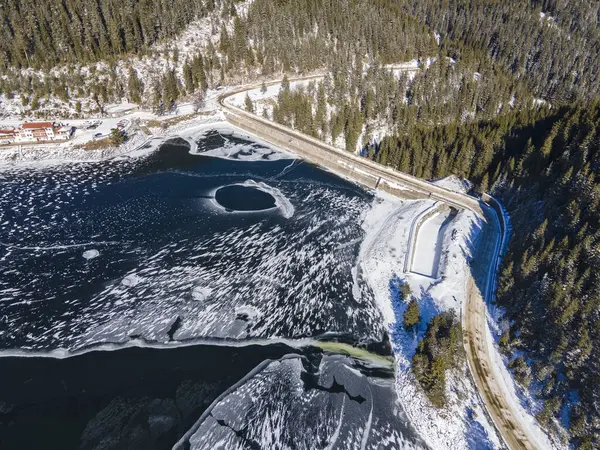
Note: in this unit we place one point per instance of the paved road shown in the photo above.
(476, 338)
(480, 286)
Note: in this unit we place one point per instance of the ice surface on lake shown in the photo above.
(234, 147)
(200, 293)
(334, 403)
(174, 267)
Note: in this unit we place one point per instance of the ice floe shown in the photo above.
(343, 403)
(91, 254)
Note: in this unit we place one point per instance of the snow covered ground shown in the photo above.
(185, 118)
(72, 151)
(264, 101)
(463, 424)
(520, 399)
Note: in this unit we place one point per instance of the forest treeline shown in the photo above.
(356, 105)
(269, 38)
(553, 44)
(310, 34)
(44, 34)
(440, 349)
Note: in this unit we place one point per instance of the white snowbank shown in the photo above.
(516, 398)
(428, 248)
(454, 184)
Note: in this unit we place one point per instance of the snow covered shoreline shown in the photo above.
(464, 422)
(138, 145)
(63, 353)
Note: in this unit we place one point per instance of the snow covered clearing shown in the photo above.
(57, 154)
(409, 68)
(264, 101)
(454, 184)
(463, 424)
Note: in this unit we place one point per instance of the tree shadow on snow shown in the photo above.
(477, 436)
(406, 341)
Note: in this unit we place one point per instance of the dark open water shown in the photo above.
(180, 248)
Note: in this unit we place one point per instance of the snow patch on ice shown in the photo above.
(91, 254)
(201, 293)
(255, 150)
(131, 280)
(247, 312)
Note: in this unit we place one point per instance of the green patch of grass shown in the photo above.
(355, 352)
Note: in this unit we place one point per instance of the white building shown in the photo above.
(42, 131)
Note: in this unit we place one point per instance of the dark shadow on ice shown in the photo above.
(174, 327)
(311, 381)
(134, 398)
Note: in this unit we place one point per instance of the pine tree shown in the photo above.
(188, 78)
(134, 86)
(116, 137)
(198, 73)
(411, 315)
(248, 104)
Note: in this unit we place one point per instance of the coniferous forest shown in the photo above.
(43, 34)
(506, 95)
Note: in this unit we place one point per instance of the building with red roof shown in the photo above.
(42, 131)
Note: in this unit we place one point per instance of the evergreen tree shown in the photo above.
(411, 315)
(116, 137)
(134, 86)
(188, 78)
(248, 104)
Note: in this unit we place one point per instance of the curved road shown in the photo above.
(484, 267)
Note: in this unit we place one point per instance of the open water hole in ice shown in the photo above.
(244, 198)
